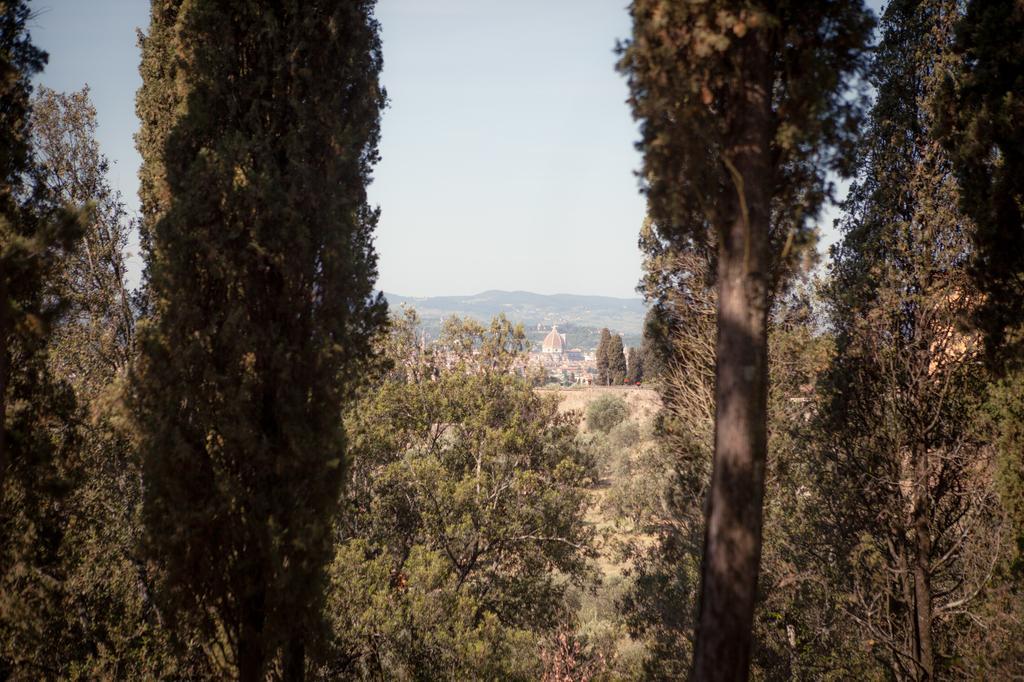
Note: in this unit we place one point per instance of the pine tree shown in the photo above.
(259, 131)
(601, 357)
(616, 355)
(37, 434)
(743, 106)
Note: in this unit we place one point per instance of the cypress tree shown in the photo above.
(743, 106)
(635, 366)
(601, 357)
(652, 347)
(260, 125)
(981, 122)
(36, 429)
(616, 355)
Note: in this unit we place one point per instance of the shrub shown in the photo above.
(606, 413)
(625, 435)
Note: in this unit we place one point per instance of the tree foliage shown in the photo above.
(242, 470)
(463, 517)
(744, 108)
(981, 122)
(635, 365)
(601, 357)
(259, 131)
(792, 631)
(108, 625)
(616, 355)
(905, 487)
(606, 412)
(37, 438)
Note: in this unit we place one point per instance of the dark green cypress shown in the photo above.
(616, 355)
(601, 357)
(260, 124)
(635, 363)
(981, 112)
(981, 117)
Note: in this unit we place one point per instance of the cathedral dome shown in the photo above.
(553, 342)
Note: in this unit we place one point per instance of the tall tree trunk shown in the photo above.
(732, 540)
(923, 649)
(251, 652)
(295, 660)
(904, 568)
(5, 361)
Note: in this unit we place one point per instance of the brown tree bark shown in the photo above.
(732, 540)
(4, 371)
(295, 660)
(923, 649)
(251, 649)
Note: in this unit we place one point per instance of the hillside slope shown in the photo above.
(621, 315)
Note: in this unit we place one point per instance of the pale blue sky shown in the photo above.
(507, 149)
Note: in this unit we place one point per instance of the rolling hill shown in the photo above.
(581, 317)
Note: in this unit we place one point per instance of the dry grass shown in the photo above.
(643, 403)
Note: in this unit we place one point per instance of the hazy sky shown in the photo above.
(507, 148)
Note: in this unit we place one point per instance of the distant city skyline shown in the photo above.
(508, 157)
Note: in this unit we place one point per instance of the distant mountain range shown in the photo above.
(621, 315)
